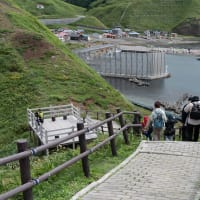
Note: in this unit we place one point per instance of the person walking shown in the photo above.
(184, 116)
(193, 119)
(158, 119)
(169, 132)
(148, 132)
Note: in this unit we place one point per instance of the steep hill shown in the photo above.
(58, 9)
(50, 8)
(38, 70)
(145, 14)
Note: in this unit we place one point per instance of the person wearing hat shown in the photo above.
(193, 119)
(184, 115)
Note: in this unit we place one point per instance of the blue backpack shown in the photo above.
(158, 121)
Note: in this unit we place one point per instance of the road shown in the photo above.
(61, 21)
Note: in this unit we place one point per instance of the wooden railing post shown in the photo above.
(97, 115)
(83, 148)
(24, 163)
(137, 120)
(121, 121)
(111, 132)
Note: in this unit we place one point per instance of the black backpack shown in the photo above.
(184, 115)
(195, 112)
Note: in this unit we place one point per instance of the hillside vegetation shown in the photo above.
(59, 9)
(52, 8)
(37, 70)
(145, 14)
(165, 15)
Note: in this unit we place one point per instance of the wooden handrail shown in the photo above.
(83, 155)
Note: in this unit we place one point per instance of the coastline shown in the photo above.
(179, 45)
(176, 45)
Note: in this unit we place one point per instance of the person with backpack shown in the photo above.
(193, 119)
(158, 119)
(184, 115)
(169, 132)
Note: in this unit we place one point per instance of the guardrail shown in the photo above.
(52, 111)
(24, 153)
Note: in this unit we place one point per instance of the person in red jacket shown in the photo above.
(148, 132)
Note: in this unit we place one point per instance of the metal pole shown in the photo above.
(120, 63)
(83, 148)
(111, 132)
(126, 73)
(24, 163)
(131, 63)
(115, 62)
(136, 60)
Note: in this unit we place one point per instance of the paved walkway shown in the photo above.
(61, 21)
(156, 171)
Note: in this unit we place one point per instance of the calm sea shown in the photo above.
(185, 78)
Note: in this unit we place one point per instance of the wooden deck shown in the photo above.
(50, 130)
(61, 128)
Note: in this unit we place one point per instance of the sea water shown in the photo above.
(184, 79)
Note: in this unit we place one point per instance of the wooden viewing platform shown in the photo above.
(66, 119)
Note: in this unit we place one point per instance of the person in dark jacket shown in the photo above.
(183, 120)
(169, 132)
(193, 122)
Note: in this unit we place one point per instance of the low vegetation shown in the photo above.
(146, 14)
(38, 70)
(71, 180)
(90, 21)
(50, 8)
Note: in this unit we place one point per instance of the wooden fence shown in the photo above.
(24, 153)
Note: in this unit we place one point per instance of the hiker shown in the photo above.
(158, 119)
(193, 119)
(183, 120)
(41, 116)
(169, 132)
(147, 132)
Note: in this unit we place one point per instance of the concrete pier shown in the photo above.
(126, 62)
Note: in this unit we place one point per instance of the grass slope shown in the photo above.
(38, 70)
(52, 8)
(59, 9)
(146, 14)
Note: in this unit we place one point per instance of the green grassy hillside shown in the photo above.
(38, 70)
(52, 8)
(58, 9)
(145, 14)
